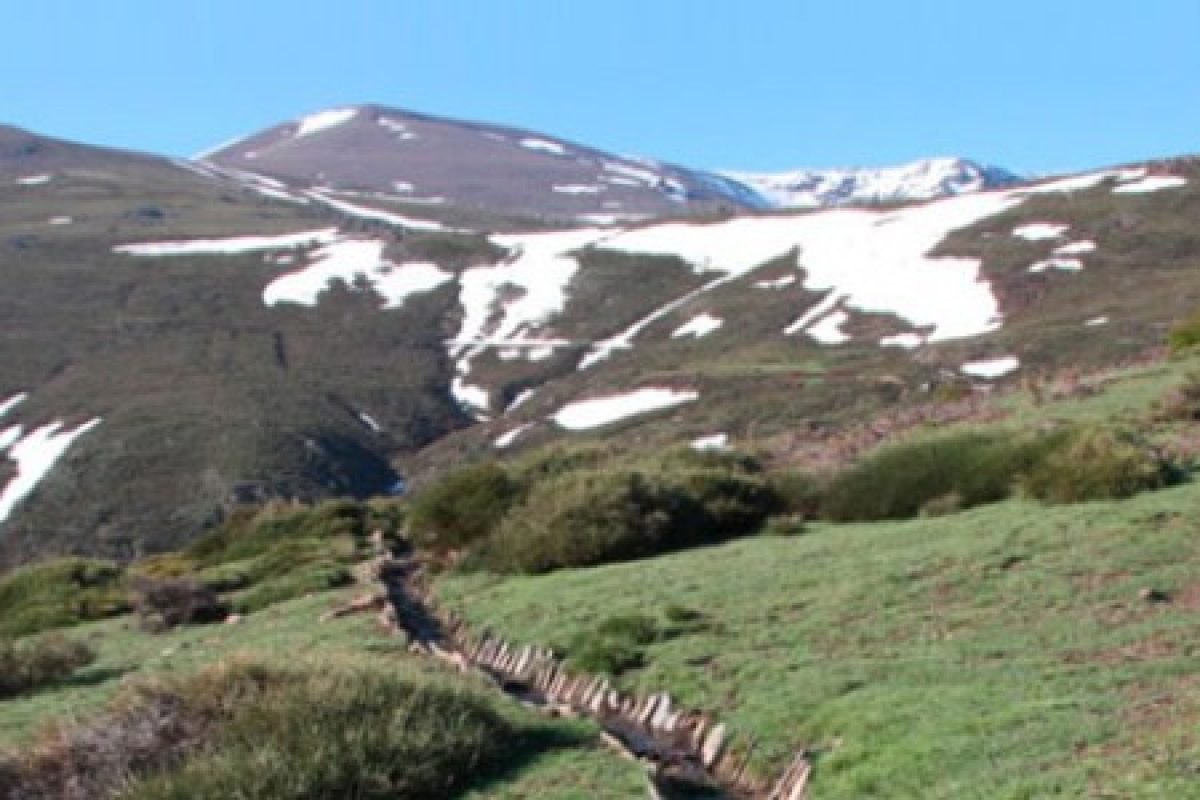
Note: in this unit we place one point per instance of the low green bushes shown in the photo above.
(462, 508)
(254, 730)
(33, 664)
(1097, 463)
(952, 471)
(1184, 335)
(60, 593)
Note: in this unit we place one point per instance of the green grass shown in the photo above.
(1001, 652)
(562, 760)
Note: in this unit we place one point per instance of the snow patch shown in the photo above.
(1079, 183)
(355, 261)
(1037, 231)
(544, 146)
(397, 127)
(599, 411)
(829, 329)
(1076, 248)
(520, 400)
(9, 436)
(230, 246)
(992, 367)
(1153, 183)
(35, 455)
(909, 341)
(1064, 264)
(60, 221)
(370, 422)
(323, 120)
(1095, 321)
(777, 283)
(364, 212)
(578, 188)
(698, 326)
(34, 180)
(717, 441)
(12, 402)
(507, 439)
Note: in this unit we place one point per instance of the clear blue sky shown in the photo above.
(1038, 86)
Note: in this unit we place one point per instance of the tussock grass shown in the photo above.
(36, 664)
(59, 593)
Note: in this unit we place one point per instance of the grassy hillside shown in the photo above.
(1013, 650)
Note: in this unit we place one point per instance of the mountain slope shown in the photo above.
(433, 160)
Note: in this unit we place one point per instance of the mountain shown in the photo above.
(177, 337)
(426, 159)
(919, 180)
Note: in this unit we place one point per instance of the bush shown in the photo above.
(60, 593)
(462, 508)
(1181, 402)
(951, 471)
(800, 493)
(615, 646)
(317, 576)
(1184, 336)
(253, 730)
(46, 661)
(1096, 463)
(169, 602)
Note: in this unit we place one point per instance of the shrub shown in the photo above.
(60, 593)
(1096, 463)
(800, 493)
(615, 645)
(897, 481)
(462, 508)
(169, 602)
(317, 576)
(1181, 402)
(34, 664)
(254, 730)
(1185, 335)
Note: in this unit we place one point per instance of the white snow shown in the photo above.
(1036, 231)
(506, 439)
(992, 367)
(402, 186)
(543, 145)
(34, 180)
(598, 411)
(777, 283)
(370, 422)
(364, 212)
(397, 127)
(1078, 183)
(717, 441)
(918, 180)
(469, 396)
(1076, 248)
(60, 221)
(353, 261)
(1094, 321)
(829, 329)
(578, 188)
(908, 341)
(698, 326)
(35, 455)
(9, 436)
(1153, 183)
(324, 120)
(230, 246)
(1064, 264)
(881, 268)
(826, 305)
(629, 175)
(520, 399)
(12, 402)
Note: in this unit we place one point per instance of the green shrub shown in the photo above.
(462, 508)
(1096, 463)
(30, 665)
(898, 481)
(800, 493)
(1184, 335)
(615, 645)
(1181, 402)
(247, 730)
(310, 578)
(60, 593)
(164, 603)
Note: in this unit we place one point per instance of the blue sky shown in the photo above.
(1039, 87)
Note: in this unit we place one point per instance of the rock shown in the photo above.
(1150, 595)
(234, 619)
